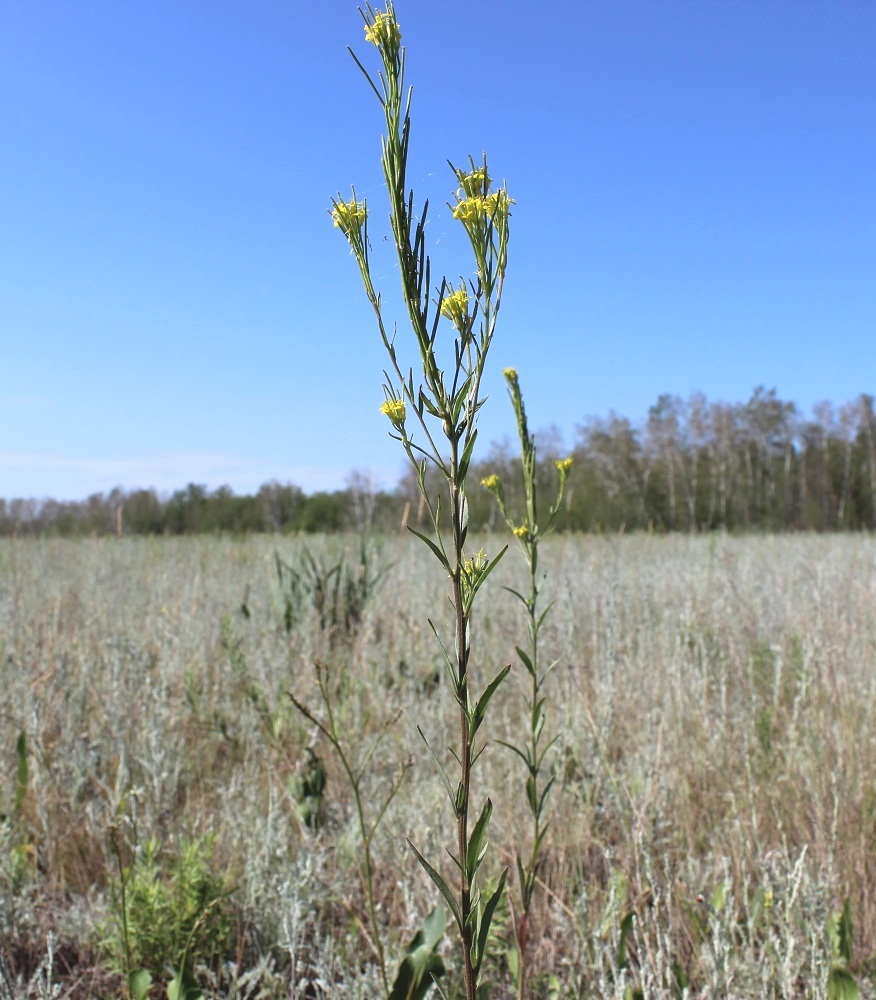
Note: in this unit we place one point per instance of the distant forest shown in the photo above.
(691, 465)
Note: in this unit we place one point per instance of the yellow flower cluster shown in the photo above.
(476, 182)
(563, 465)
(521, 531)
(395, 410)
(491, 482)
(498, 204)
(475, 566)
(455, 308)
(469, 209)
(384, 32)
(349, 216)
(510, 374)
(479, 206)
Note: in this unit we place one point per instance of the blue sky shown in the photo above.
(696, 210)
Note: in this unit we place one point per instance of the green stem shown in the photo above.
(367, 834)
(529, 869)
(462, 694)
(126, 941)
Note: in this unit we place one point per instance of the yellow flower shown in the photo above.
(349, 216)
(521, 531)
(475, 566)
(491, 482)
(497, 204)
(384, 32)
(455, 308)
(395, 410)
(510, 374)
(469, 209)
(476, 182)
(563, 465)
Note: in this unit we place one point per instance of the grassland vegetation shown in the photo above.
(712, 812)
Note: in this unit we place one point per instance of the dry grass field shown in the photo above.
(712, 819)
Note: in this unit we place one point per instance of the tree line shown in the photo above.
(690, 465)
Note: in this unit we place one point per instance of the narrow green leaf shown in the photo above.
(439, 555)
(477, 844)
(532, 794)
(524, 659)
(542, 832)
(542, 616)
(544, 752)
(524, 756)
(537, 718)
(440, 885)
(21, 774)
(521, 877)
(448, 659)
(474, 913)
(489, 910)
(445, 780)
(459, 401)
(454, 859)
(549, 670)
(544, 794)
(480, 709)
(482, 579)
(625, 928)
(517, 594)
(846, 932)
(466, 455)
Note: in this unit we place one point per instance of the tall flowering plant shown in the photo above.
(433, 415)
(529, 527)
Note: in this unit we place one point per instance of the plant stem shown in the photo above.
(462, 693)
(354, 777)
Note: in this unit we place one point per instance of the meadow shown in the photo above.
(711, 821)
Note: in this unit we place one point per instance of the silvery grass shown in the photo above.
(717, 758)
(434, 417)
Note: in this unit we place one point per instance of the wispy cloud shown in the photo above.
(19, 403)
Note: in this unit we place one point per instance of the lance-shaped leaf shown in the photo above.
(480, 709)
(544, 795)
(524, 656)
(625, 929)
(439, 555)
(465, 461)
(440, 885)
(21, 771)
(445, 780)
(487, 919)
(477, 844)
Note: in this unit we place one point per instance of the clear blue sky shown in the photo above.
(696, 210)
